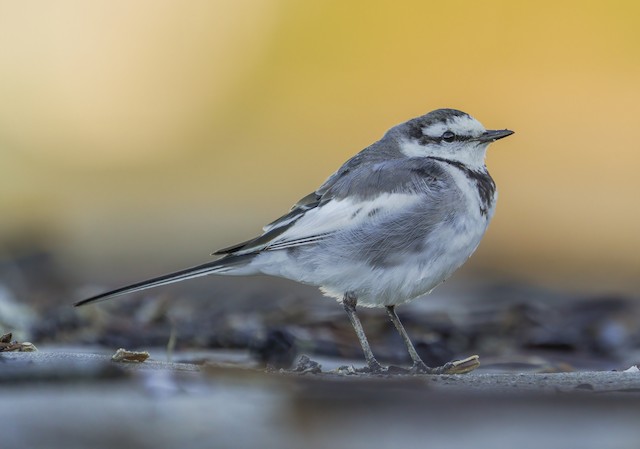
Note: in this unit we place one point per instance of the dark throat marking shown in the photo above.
(484, 182)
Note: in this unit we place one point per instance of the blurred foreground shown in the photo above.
(76, 400)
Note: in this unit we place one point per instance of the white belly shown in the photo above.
(445, 250)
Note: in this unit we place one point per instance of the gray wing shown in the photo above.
(357, 180)
(275, 228)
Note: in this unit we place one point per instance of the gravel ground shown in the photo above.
(72, 399)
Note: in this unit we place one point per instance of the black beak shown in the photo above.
(492, 136)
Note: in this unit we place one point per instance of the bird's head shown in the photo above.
(447, 134)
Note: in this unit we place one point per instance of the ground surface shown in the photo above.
(81, 399)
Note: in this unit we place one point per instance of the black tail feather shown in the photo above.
(219, 266)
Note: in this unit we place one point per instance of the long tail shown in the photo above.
(220, 266)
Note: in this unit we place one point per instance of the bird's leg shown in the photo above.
(349, 302)
(460, 366)
(418, 365)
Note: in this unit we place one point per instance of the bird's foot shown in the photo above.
(377, 369)
(421, 368)
(454, 367)
(373, 367)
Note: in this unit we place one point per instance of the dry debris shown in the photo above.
(6, 345)
(122, 355)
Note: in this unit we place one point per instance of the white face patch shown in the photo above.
(460, 126)
(469, 153)
(463, 150)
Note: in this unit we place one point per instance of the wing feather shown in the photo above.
(344, 200)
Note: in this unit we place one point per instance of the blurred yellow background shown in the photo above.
(137, 137)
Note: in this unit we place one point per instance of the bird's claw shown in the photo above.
(373, 368)
(454, 367)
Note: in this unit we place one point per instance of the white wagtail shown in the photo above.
(392, 223)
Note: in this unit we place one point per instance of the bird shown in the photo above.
(391, 224)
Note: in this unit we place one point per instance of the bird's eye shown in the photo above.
(448, 136)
